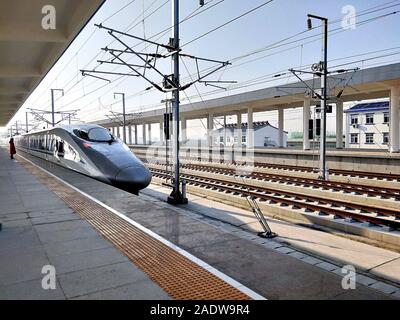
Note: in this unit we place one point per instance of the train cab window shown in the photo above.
(95, 135)
(100, 135)
(81, 134)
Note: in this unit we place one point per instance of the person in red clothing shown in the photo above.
(12, 148)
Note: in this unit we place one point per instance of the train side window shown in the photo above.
(61, 149)
(50, 143)
(81, 134)
(41, 145)
(70, 153)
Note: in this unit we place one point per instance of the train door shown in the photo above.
(46, 145)
(59, 149)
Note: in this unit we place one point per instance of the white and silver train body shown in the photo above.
(90, 150)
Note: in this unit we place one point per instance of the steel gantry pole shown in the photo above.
(324, 171)
(177, 196)
(53, 121)
(26, 122)
(123, 115)
(324, 90)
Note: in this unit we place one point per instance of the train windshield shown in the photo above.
(99, 135)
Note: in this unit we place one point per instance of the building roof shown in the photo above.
(256, 125)
(367, 107)
(28, 51)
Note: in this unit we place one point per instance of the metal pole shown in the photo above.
(53, 122)
(176, 196)
(123, 115)
(26, 122)
(324, 89)
(52, 108)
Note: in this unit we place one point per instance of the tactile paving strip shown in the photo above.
(181, 278)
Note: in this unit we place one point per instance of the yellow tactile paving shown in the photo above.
(177, 275)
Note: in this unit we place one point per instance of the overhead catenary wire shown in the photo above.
(98, 54)
(363, 12)
(118, 79)
(280, 44)
(311, 36)
(195, 13)
(266, 79)
(363, 22)
(83, 44)
(228, 22)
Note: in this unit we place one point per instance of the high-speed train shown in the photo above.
(91, 150)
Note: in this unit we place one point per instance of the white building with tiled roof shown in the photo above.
(265, 135)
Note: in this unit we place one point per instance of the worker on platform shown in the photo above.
(12, 148)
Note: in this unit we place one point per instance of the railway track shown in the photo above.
(384, 193)
(296, 201)
(345, 187)
(302, 169)
(359, 174)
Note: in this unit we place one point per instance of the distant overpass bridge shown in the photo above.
(371, 83)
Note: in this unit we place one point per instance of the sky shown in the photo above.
(269, 24)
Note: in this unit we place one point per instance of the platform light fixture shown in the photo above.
(309, 23)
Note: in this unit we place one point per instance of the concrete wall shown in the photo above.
(374, 162)
(259, 137)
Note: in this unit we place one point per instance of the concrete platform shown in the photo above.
(39, 229)
(259, 265)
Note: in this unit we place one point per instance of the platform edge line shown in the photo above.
(202, 264)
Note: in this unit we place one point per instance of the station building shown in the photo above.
(368, 126)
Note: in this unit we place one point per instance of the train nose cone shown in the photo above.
(133, 178)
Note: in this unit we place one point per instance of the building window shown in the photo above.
(369, 118)
(386, 117)
(354, 119)
(354, 138)
(386, 138)
(221, 139)
(369, 138)
(244, 139)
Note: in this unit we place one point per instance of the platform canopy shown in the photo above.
(28, 51)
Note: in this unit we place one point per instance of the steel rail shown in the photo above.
(298, 200)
